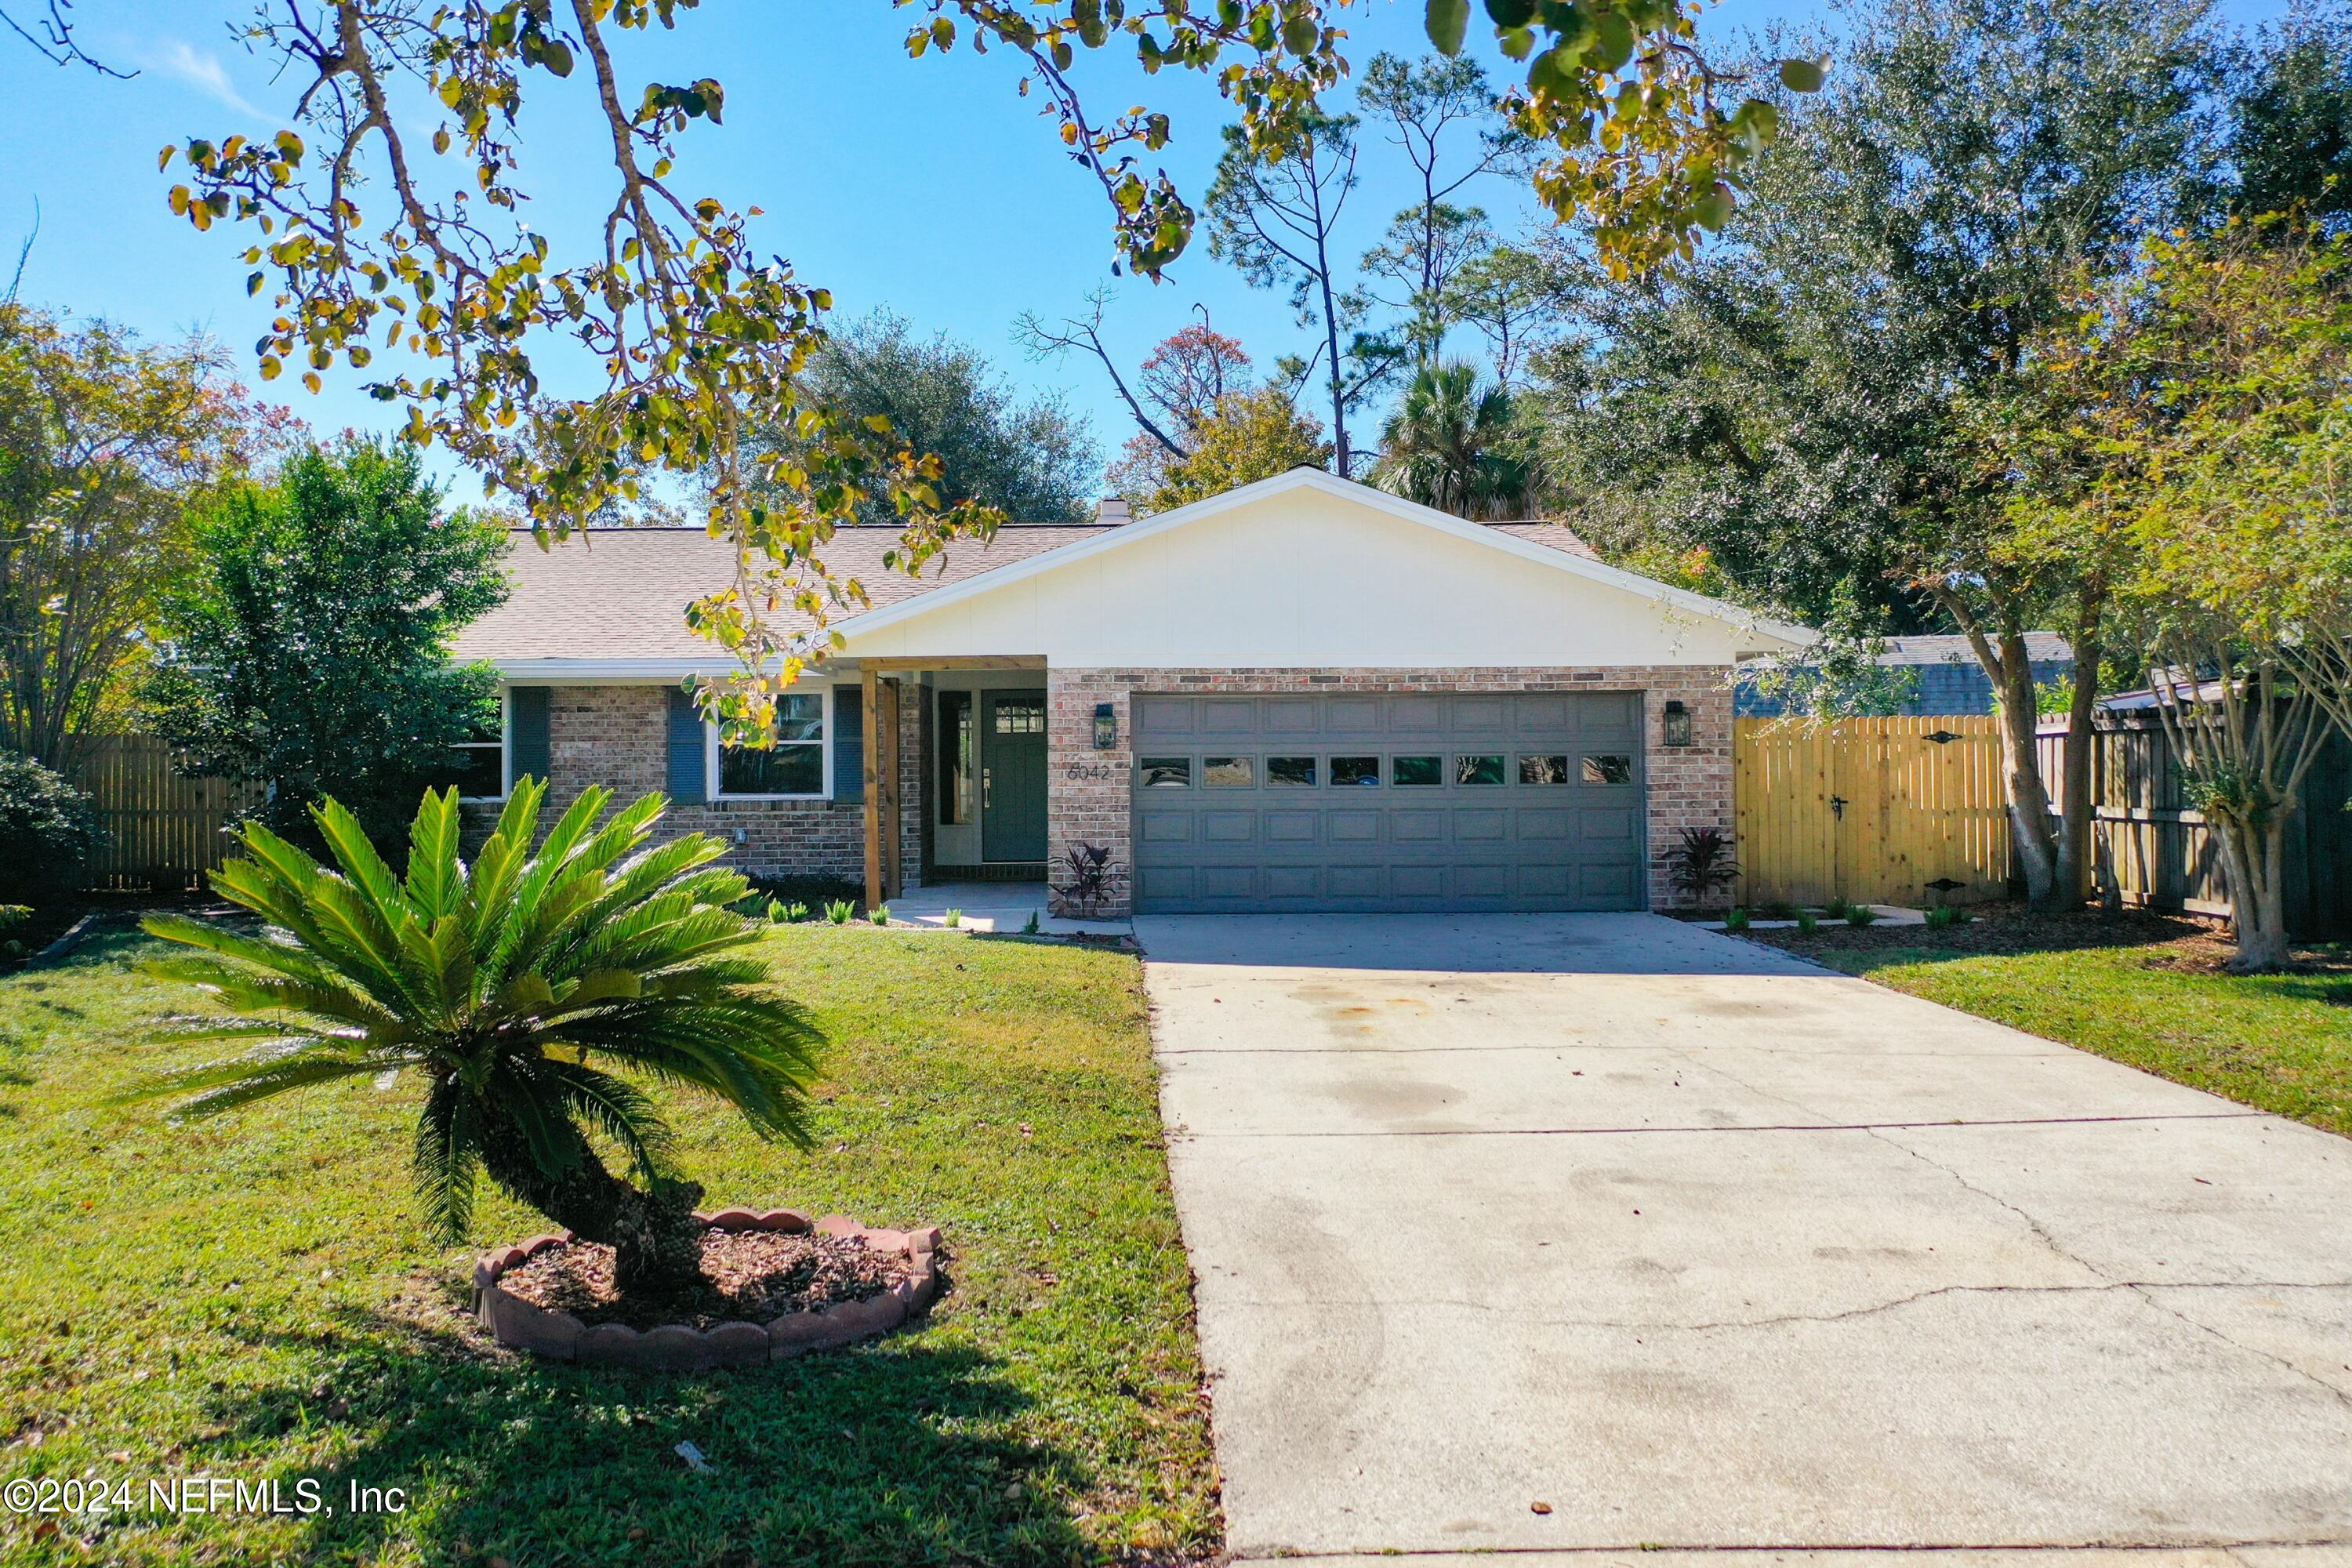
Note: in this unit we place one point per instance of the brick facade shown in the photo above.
(1087, 791)
(617, 735)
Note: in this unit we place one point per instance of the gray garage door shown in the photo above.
(1420, 801)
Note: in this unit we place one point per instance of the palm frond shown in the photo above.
(361, 866)
(225, 1085)
(618, 1109)
(447, 1158)
(436, 878)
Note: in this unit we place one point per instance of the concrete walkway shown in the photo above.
(1580, 1234)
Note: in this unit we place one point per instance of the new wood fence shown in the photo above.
(1887, 811)
(1913, 811)
(162, 827)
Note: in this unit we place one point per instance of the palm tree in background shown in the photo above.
(1454, 443)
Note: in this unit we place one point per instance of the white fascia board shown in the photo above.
(1362, 495)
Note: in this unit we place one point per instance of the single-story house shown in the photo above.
(1303, 694)
(1942, 671)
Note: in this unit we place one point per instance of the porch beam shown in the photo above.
(956, 661)
(872, 683)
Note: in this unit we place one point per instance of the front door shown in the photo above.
(1012, 775)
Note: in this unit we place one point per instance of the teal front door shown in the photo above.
(1012, 775)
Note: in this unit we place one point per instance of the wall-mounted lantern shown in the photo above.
(1106, 727)
(1678, 724)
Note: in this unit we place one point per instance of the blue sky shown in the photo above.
(927, 186)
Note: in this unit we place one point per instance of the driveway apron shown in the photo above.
(1598, 1232)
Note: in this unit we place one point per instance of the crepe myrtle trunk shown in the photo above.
(657, 1242)
(2254, 858)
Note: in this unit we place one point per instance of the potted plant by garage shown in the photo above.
(526, 995)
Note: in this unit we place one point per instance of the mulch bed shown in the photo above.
(2180, 941)
(749, 1277)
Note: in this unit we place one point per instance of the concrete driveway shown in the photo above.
(1584, 1233)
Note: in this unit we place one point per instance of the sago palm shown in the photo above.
(518, 990)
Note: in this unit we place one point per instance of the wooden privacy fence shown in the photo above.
(162, 827)
(1887, 811)
(2156, 850)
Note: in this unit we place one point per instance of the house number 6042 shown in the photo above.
(1102, 771)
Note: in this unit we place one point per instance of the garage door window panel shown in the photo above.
(1290, 773)
(1550, 768)
(1478, 769)
(1417, 771)
(1354, 773)
(1229, 773)
(1165, 772)
(1607, 768)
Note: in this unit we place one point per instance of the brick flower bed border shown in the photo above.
(676, 1347)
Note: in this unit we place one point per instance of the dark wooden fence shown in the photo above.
(162, 827)
(2159, 853)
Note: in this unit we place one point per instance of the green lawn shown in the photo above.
(255, 1298)
(2137, 989)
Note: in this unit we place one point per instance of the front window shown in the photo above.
(794, 764)
(477, 764)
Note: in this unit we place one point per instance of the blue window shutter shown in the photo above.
(526, 743)
(848, 743)
(689, 758)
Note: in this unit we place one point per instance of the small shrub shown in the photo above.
(1808, 922)
(1944, 916)
(47, 832)
(1834, 910)
(14, 915)
(795, 914)
(1860, 915)
(1701, 864)
(1030, 927)
(839, 910)
(1091, 882)
(881, 915)
(1777, 910)
(954, 918)
(1736, 919)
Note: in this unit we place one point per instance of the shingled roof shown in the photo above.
(622, 593)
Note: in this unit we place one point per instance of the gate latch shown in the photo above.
(1837, 807)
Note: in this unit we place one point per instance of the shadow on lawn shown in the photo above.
(898, 1452)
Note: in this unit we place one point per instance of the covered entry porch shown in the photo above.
(972, 794)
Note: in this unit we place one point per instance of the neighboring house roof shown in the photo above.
(2041, 648)
(611, 601)
(1948, 678)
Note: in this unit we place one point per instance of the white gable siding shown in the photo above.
(1304, 577)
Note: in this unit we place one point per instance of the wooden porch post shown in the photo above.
(893, 823)
(874, 893)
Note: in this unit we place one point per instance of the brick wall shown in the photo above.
(616, 735)
(1688, 787)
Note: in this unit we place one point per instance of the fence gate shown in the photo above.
(1895, 811)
